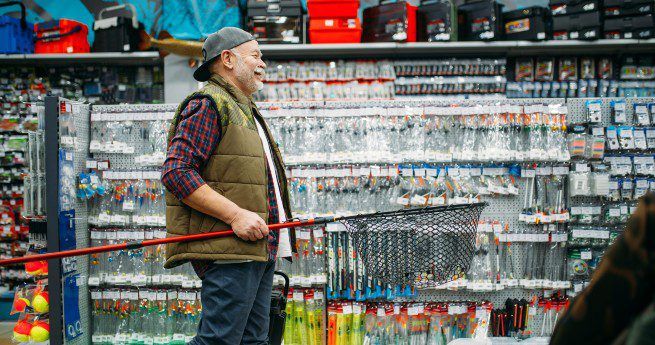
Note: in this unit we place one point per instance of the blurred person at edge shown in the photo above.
(617, 305)
(224, 170)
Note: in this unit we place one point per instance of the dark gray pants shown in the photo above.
(236, 302)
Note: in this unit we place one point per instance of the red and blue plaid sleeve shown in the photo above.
(196, 137)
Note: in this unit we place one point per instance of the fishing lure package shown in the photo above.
(154, 316)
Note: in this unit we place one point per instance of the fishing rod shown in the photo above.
(147, 243)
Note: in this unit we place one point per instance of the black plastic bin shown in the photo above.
(581, 26)
(437, 21)
(276, 21)
(116, 34)
(531, 24)
(638, 27)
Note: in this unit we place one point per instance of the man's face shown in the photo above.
(249, 69)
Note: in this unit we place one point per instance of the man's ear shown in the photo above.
(227, 59)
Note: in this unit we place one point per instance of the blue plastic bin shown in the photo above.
(16, 35)
(13, 38)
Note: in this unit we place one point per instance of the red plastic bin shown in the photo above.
(61, 36)
(336, 30)
(332, 9)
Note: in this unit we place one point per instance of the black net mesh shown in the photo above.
(416, 247)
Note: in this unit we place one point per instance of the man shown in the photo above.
(223, 170)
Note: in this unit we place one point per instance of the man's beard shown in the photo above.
(247, 77)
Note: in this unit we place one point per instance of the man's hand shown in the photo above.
(248, 226)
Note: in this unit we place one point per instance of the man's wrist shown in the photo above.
(233, 215)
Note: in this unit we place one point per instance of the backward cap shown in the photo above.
(223, 39)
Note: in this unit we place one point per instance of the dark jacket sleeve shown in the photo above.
(622, 287)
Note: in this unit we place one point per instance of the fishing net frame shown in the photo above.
(416, 247)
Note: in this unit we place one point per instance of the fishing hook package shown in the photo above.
(139, 134)
(502, 133)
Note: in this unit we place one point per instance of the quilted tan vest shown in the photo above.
(237, 170)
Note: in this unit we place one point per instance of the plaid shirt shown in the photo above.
(198, 133)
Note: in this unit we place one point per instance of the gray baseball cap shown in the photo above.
(223, 39)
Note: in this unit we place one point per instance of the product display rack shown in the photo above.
(581, 115)
(17, 120)
(56, 144)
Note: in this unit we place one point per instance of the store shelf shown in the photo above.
(365, 50)
(438, 49)
(135, 58)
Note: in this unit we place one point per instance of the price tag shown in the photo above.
(544, 171)
(560, 170)
(318, 233)
(381, 312)
(347, 308)
(528, 173)
(96, 295)
(407, 171)
(581, 167)
(303, 235)
(128, 205)
(585, 255)
(156, 279)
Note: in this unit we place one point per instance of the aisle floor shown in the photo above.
(6, 331)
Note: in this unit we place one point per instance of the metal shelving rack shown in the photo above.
(438, 49)
(124, 59)
(368, 50)
(52, 205)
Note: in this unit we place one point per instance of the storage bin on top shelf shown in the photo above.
(332, 8)
(61, 36)
(16, 35)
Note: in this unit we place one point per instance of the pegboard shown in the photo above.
(578, 114)
(504, 209)
(120, 161)
(578, 109)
